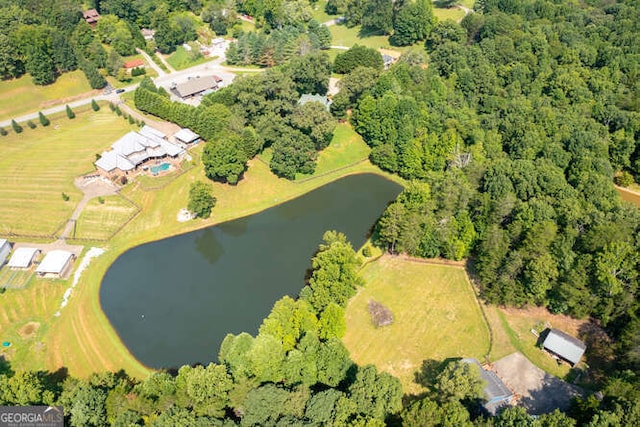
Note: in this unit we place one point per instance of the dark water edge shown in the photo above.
(173, 301)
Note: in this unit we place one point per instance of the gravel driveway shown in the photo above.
(540, 392)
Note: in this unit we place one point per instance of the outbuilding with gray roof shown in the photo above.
(564, 346)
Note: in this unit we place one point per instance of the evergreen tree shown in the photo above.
(3, 132)
(16, 127)
(94, 105)
(70, 113)
(44, 121)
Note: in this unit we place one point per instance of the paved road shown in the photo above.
(164, 80)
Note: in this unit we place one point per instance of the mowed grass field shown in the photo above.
(38, 165)
(25, 317)
(436, 316)
(99, 221)
(21, 96)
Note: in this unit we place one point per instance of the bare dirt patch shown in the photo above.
(29, 329)
(540, 314)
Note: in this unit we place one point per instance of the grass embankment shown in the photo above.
(436, 316)
(38, 165)
(21, 96)
(82, 339)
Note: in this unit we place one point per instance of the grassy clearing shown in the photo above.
(99, 221)
(150, 72)
(15, 279)
(21, 96)
(38, 165)
(436, 317)
(343, 36)
(445, 13)
(181, 59)
(346, 148)
(319, 14)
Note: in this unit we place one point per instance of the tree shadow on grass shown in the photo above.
(365, 32)
(445, 4)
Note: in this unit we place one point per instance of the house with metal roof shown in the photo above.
(307, 97)
(186, 136)
(22, 258)
(56, 264)
(564, 346)
(134, 150)
(5, 248)
(196, 86)
(497, 394)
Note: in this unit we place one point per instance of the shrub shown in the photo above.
(44, 121)
(625, 179)
(131, 120)
(31, 124)
(70, 113)
(3, 132)
(112, 106)
(118, 111)
(123, 180)
(366, 251)
(16, 127)
(94, 105)
(65, 197)
(101, 200)
(138, 71)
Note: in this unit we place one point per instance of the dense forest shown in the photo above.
(510, 129)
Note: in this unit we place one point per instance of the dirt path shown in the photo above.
(152, 64)
(166, 64)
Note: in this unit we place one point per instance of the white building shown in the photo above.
(55, 264)
(22, 258)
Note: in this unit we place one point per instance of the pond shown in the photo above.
(173, 301)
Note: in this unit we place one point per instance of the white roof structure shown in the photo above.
(22, 257)
(150, 132)
(564, 345)
(186, 135)
(135, 148)
(54, 262)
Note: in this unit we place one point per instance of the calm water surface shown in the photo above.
(173, 301)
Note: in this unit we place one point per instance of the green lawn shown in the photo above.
(99, 221)
(38, 165)
(452, 13)
(436, 316)
(21, 96)
(343, 36)
(319, 14)
(180, 59)
(346, 148)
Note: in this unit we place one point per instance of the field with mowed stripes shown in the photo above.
(38, 165)
(103, 216)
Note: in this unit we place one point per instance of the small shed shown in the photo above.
(5, 248)
(186, 136)
(496, 392)
(55, 264)
(91, 16)
(22, 258)
(564, 346)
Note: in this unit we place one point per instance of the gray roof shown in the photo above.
(196, 86)
(135, 148)
(564, 345)
(3, 242)
(307, 97)
(495, 390)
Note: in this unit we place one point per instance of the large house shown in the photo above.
(135, 150)
(197, 86)
(564, 346)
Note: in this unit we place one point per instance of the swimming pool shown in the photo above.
(159, 168)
